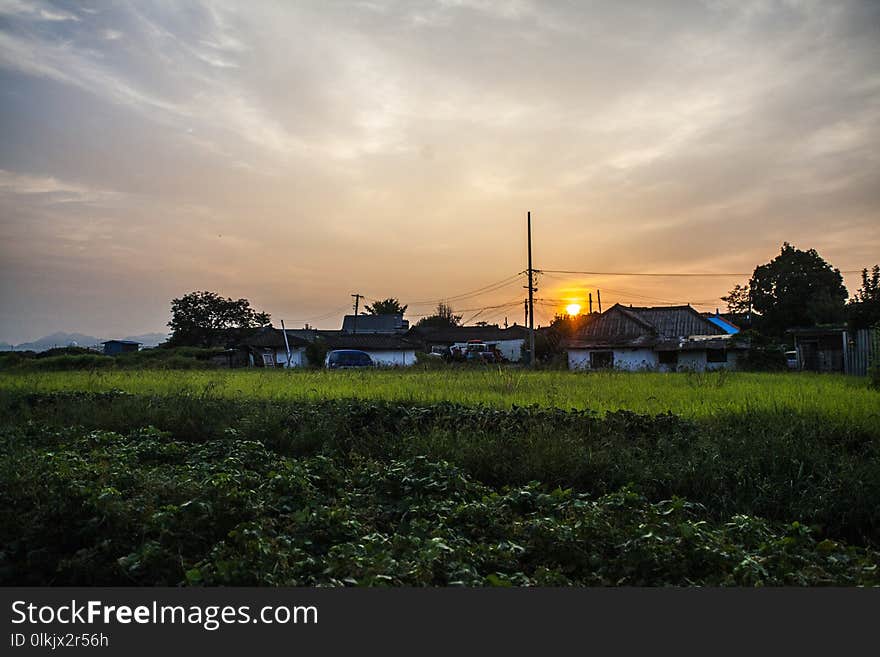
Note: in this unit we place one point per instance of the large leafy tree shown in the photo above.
(864, 307)
(444, 317)
(389, 306)
(797, 288)
(197, 317)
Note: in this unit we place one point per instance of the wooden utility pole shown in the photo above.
(357, 300)
(599, 299)
(531, 295)
(591, 302)
(286, 343)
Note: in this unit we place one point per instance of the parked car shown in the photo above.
(791, 359)
(348, 358)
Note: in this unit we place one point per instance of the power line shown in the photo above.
(509, 304)
(674, 274)
(492, 287)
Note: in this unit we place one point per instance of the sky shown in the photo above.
(295, 153)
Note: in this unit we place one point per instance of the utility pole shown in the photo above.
(531, 295)
(599, 296)
(357, 300)
(591, 302)
(526, 310)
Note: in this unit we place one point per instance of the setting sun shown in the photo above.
(573, 309)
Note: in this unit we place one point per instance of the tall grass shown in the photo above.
(843, 401)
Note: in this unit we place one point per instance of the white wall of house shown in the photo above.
(624, 359)
(297, 357)
(640, 359)
(393, 357)
(510, 349)
(697, 361)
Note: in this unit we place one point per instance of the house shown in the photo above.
(266, 347)
(836, 349)
(382, 324)
(116, 347)
(665, 338)
(508, 341)
(385, 350)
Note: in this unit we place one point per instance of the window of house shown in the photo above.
(601, 359)
(668, 357)
(716, 355)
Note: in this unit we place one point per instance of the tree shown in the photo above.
(444, 317)
(197, 317)
(569, 325)
(797, 288)
(738, 299)
(389, 306)
(864, 307)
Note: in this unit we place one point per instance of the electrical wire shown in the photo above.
(682, 274)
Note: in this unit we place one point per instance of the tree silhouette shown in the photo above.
(737, 299)
(197, 317)
(444, 317)
(864, 307)
(797, 288)
(389, 306)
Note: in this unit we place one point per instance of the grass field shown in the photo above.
(835, 399)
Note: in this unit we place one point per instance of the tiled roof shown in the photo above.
(464, 333)
(368, 341)
(269, 336)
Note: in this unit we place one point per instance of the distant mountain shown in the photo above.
(62, 339)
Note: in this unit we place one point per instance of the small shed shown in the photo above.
(115, 347)
(836, 349)
(267, 347)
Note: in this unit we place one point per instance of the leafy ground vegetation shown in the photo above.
(198, 484)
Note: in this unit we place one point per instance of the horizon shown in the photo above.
(297, 154)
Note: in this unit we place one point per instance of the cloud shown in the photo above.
(50, 188)
(341, 137)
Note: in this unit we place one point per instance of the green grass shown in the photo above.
(840, 400)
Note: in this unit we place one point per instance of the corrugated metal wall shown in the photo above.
(862, 351)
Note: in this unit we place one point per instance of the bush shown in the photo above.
(84, 507)
(778, 465)
(763, 355)
(316, 353)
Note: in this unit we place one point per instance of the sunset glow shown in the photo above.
(296, 153)
(573, 309)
